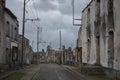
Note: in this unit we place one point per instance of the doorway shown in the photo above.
(111, 49)
(98, 50)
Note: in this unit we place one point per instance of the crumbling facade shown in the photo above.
(116, 8)
(100, 35)
(110, 30)
(69, 56)
(11, 38)
(90, 33)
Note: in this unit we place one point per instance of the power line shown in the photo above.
(27, 1)
(37, 13)
(32, 11)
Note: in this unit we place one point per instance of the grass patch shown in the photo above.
(100, 77)
(16, 76)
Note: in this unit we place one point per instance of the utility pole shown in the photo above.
(23, 29)
(40, 34)
(23, 32)
(60, 41)
(38, 29)
(61, 47)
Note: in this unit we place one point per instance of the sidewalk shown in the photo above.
(6, 74)
(11, 72)
(30, 72)
(85, 77)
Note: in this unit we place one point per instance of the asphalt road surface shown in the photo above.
(55, 72)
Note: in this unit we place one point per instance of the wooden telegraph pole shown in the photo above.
(23, 32)
(23, 29)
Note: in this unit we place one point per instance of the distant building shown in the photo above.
(39, 57)
(69, 56)
(28, 52)
(57, 57)
(76, 57)
(50, 56)
(42, 56)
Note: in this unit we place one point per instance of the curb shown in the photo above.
(70, 70)
(7, 74)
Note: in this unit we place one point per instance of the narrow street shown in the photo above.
(54, 72)
(60, 40)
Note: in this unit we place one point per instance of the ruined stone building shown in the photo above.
(90, 33)
(10, 41)
(69, 56)
(50, 54)
(27, 52)
(8, 37)
(76, 57)
(11, 38)
(57, 57)
(42, 56)
(110, 35)
(100, 35)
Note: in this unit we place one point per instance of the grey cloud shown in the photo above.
(51, 25)
(17, 8)
(45, 5)
(65, 6)
(61, 1)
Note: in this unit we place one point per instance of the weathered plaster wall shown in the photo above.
(89, 17)
(92, 36)
(12, 30)
(110, 24)
(117, 34)
(108, 30)
(84, 37)
(103, 34)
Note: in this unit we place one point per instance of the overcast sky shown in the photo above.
(54, 15)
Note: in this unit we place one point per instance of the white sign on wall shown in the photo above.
(14, 44)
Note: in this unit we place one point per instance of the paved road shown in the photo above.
(55, 72)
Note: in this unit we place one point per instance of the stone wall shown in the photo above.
(84, 37)
(2, 37)
(117, 34)
(101, 35)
